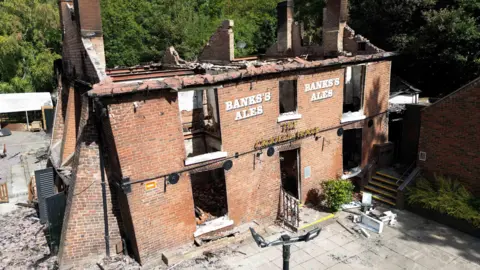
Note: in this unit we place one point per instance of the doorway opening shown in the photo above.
(210, 200)
(352, 150)
(290, 173)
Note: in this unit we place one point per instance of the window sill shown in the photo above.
(288, 117)
(212, 225)
(205, 157)
(352, 173)
(352, 116)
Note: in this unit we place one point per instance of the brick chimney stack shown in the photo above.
(335, 16)
(285, 12)
(89, 17)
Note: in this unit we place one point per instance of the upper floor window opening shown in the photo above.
(354, 93)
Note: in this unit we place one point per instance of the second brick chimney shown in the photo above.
(284, 25)
(89, 17)
(335, 16)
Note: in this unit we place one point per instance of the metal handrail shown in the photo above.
(405, 183)
(405, 172)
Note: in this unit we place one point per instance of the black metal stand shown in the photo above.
(286, 253)
(285, 240)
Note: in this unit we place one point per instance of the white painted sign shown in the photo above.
(320, 95)
(246, 102)
(322, 84)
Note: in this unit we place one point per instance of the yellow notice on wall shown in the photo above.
(150, 185)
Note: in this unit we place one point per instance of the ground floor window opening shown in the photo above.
(289, 164)
(352, 152)
(210, 201)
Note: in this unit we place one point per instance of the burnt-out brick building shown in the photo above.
(449, 140)
(187, 149)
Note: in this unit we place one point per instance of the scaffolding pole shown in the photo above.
(28, 124)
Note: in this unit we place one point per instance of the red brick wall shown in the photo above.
(220, 47)
(58, 127)
(83, 229)
(253, 186)
(449, 135)
(70, 132)
(89, 15)
(76, 62)
(377, 94)
(149, 143)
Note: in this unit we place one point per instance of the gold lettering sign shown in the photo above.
(287, 137)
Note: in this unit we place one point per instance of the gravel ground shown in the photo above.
(17, 144)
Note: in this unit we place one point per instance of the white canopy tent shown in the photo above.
(24, 102)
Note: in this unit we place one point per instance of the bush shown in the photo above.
(446, 196)
(337, 192)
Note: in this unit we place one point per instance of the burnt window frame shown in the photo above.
(361, 86)
(295, 95)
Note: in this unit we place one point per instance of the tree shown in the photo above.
(29, 43)
(140, 31)
(438, 40)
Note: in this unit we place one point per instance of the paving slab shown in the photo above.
(341, 239)
(340, 266)
(314, 250)
(325, 244)
(356, 262)
(268, 265)
(429, 246)
(300, 256)
(313, 264)
(461, 264)
(333, 257)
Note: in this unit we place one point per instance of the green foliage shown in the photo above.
(310, 12)
(29, 43)
(337, 192)
(446, 196)
(140, 31)
(438, 39)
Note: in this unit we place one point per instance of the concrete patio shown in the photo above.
(413, 243)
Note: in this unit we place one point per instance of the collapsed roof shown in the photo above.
(217, 63)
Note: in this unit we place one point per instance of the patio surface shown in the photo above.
(413, 243)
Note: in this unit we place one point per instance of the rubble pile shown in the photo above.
(209, 196)
(114, 263)
(209, 260)
(22, 242)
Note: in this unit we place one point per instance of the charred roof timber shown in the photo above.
(217, 64)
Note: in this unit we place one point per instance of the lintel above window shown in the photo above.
(205, 157)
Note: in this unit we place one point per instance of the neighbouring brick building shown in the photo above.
(191, 148)
(449, 138)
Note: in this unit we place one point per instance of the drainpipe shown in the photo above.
(98, 122)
